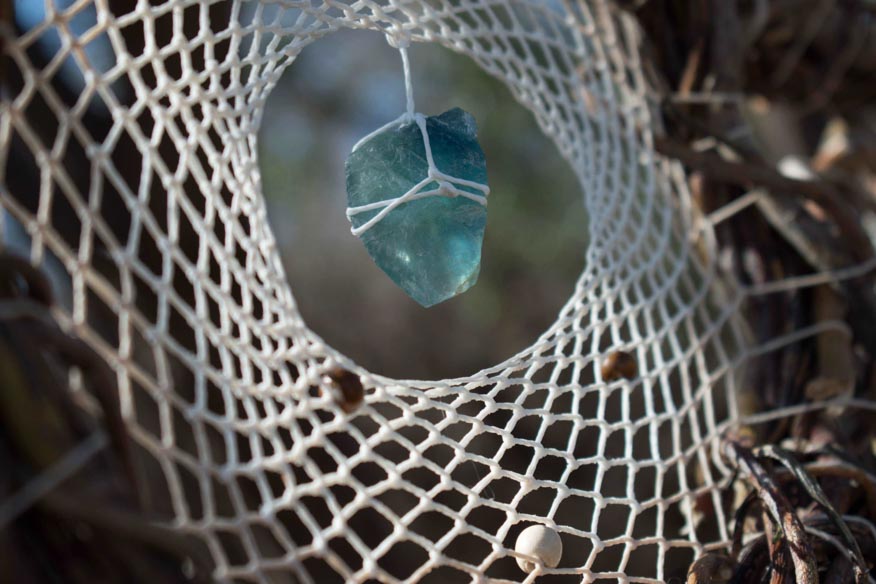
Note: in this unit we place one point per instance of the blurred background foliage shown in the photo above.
(346, 86)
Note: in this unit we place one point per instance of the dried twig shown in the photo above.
(749, 174)
(50, 479)
(13, 267)
(32, 317)
(815, 491)
(845, 470)
(802, 556)
(34, 321)
(81, 507)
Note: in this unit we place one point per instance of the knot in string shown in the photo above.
(445, 189)
(398, 38)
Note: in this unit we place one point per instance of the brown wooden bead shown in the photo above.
(619, 364)
(350, 394)
(711, 568)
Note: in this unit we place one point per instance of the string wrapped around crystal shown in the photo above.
(416, 196)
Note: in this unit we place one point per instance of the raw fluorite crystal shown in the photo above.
(430, 247)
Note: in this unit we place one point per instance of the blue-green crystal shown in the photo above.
(430, 247)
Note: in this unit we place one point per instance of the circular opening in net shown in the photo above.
(337, 92)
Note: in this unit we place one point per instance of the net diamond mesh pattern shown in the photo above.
(134, 180)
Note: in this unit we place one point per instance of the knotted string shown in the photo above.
(448, 186)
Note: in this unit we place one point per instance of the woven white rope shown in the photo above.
(136, 186)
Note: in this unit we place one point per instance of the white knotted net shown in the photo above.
(130, 174)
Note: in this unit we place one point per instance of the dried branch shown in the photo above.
(815, 491)
(81, 507)
(748, 174)
(32, 316)
(775, 502)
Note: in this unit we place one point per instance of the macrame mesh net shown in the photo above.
(130, 174)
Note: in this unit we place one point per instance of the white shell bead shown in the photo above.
(539, 542)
